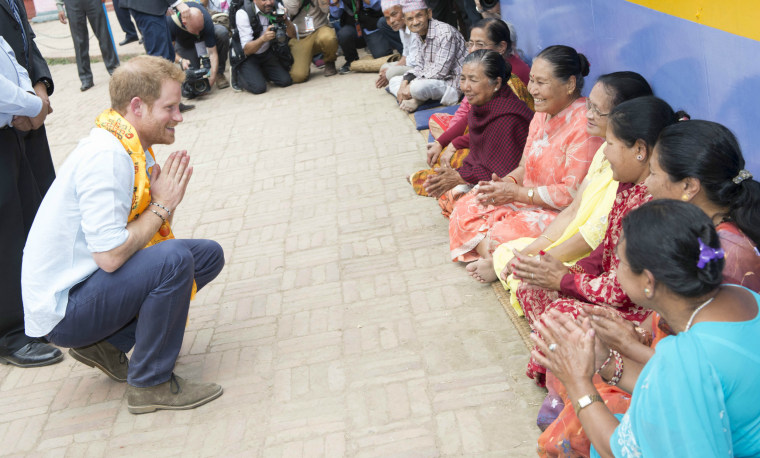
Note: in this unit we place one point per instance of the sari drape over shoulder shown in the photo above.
(558, 153)
(697, 396)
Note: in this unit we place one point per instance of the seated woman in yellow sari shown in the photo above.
(580, 227)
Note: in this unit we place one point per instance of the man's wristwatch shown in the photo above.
(586, 401)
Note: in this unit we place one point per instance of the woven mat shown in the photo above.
(521, 324)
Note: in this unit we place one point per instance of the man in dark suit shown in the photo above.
(149, 16)
(18, 210)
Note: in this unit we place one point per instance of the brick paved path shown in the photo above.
(338, 326)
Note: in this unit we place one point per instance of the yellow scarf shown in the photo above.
(114, 123)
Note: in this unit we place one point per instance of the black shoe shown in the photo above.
(345, 69)
(129, 40)
(183, 108)
(86, 86)
(33, 354)
(141, 41)
(234, 83)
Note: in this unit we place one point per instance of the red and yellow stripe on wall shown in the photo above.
(740, 17)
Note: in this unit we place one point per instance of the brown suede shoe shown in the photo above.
(330, 69)
(221, 81)
(174, 394)
(109, 359)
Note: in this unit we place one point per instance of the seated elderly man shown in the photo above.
(393, 26)
(102, 272)
(195, 35)
(441, 51)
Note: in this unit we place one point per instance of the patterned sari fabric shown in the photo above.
(591, 280)
(590, 221)
(558, 153)
(742, 257)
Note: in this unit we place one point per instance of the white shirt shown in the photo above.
(85, 211)
(410, 46)
(246, 31)
(16, 92)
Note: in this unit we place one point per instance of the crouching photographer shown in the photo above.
(201, 49)
(259, 49)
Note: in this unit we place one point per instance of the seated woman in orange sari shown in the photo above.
(546, 283)
(557, 155)
(699, 162)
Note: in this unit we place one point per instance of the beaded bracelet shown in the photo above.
(159, 215)
(169, 212)
(618, 369)
(606, 361)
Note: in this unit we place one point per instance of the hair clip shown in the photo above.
(708, 253)
(743, 175)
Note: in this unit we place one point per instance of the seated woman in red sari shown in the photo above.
(557, 156)
(699, 162)
(498, 124)
(547, 284)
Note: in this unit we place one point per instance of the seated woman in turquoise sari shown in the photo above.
(697, 396)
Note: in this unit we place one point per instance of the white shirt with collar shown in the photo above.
(410, 46)
(16, 92)
(85, 211)
(245, 30)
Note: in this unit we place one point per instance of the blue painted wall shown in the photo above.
(710, 73)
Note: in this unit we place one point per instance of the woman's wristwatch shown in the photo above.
(531, 192)
(585, 401)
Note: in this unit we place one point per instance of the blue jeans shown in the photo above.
(143, 304)
(156, 37)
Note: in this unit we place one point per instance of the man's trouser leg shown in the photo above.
(250, 75)
(19, 200)
(391, 36)
(326, 42)
(222, 47)
(156, 37)
(427, 89)
(302, 51)
(394, 84)
(377, 45)
(347, 40)
(394, 70)
(97, 18)
(77, 17)
(145, 303)
(125, 20)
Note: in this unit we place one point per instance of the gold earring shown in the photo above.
(685, 197)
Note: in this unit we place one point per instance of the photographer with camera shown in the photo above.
(260, 42)
(201, 49)
(315, 35)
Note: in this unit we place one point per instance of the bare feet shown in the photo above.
(410, 105)
(482, 270)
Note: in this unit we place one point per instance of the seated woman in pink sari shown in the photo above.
(557, 155)
(547, 284)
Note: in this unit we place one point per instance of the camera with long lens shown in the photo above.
(196, 78)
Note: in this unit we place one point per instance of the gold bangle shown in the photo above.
(547, 238)
(512, 178)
